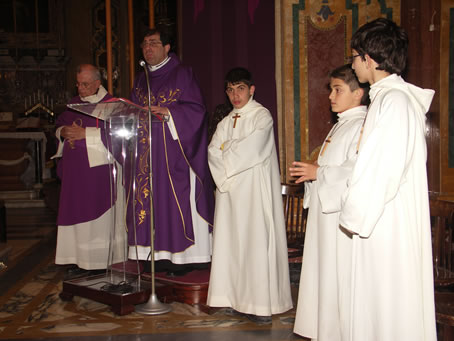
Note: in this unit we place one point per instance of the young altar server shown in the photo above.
(386, 205)
(325, 270)
(249, 271)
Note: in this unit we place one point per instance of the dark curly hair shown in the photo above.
(385, 42)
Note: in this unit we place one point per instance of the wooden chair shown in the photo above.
(295, 217)
(442, 221)
(444, 306)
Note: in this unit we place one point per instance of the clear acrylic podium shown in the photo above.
(120, 287)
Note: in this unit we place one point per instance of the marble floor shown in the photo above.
(30, 306)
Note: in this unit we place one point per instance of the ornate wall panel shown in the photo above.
(447, 97)
(314, 38)
(32, 54)
(99, 44)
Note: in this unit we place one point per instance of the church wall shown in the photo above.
(315, 38)
(39, 53)
(85, 30)
(32, 86)
(32, 56)
(421, 20)
(78, 30)
(289, 45)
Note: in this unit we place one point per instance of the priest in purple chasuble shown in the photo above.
(182, 190)
(85, 213)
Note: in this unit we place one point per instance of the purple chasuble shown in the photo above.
(173, 86)
(85, 192)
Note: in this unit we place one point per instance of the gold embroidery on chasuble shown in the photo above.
(171, 181)
(162, 98)
(142, 175)
(199, 194)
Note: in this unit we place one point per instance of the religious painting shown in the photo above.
(314, 36)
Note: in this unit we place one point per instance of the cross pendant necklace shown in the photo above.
(328, 139)
(237, 116)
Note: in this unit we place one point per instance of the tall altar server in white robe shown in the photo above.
(325, 273)
(249, 271)
(386, 206)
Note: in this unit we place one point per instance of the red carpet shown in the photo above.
(195, 277)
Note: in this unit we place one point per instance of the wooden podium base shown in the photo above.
(191, 288)
(92, 287)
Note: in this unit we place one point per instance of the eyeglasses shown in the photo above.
(84, 84)
(153, 43)
(353, 58)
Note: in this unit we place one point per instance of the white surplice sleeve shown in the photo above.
(241, 154)
(215, 161)
(251, 150)
(308, 185)
(381, 164)
(332, 184)
(332, 179)
(96, 151)
(61, 143)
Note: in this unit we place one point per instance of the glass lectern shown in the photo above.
(120, 287)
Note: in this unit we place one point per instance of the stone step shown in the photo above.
(22, 198)
(18, 203)
(31, 194)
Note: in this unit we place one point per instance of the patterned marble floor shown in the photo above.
(30, 307)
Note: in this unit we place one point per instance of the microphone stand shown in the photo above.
(153, 306)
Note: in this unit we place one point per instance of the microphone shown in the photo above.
(142, 63)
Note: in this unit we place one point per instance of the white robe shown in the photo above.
(386, 207)
(249, 270)
(325, 270)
